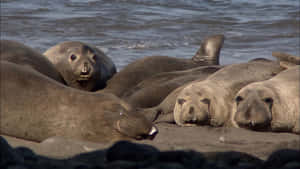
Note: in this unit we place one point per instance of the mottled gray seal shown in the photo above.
(20, 54)
(210, 101)
(35, 107)
(82, 66)
(151, 91)
(273, 104)
(141, 69)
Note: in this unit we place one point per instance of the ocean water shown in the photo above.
(130, 29)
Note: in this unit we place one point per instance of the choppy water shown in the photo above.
(131, 29)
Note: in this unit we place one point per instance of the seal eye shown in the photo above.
(268, 100)
(94, 57)
(206, 101)
(73, 57)
(181, 101)
(238, 99)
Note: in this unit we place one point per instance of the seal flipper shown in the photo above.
(286, 60)
(209, 51)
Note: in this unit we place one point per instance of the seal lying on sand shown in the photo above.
(152, 91)
(210, 101)
(20, 54)
(141, 69)
(82, 66)
(34, 107)
(273, 104)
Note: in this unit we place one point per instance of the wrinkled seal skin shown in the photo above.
(141, 69)
(34, 107)
(82, 66)
(20, 54)
(270, 105)
(150, 92)
(210, 101)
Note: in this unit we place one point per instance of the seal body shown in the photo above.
(34, 107)
(82, 66)
(210, 101)
(20, 54)
(144, 68)
(273, 104)
(150, 92)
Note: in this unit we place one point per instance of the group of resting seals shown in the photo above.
(38, 92)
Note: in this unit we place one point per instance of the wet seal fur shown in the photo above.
(43, 108)
(82, 66)
(270, 105)
(210, 101)
(20, 54)
(141, 69)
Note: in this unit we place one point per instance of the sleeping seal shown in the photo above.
(210, 101)
(35, 107)
(273, 104)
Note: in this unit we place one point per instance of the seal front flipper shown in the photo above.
(209, 51)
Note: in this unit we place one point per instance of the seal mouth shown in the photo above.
(256, 126)
(150, 136)
(84, 78)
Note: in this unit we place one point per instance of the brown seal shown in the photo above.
(35, 107)
(273, 104)
(20, 54)
(210, 101)
(141, 69)
(150, 92)
(82, 66)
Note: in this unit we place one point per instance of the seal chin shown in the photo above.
(84, 78)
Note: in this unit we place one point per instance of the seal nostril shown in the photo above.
(86, 69)
(191, 111)
(181, 101)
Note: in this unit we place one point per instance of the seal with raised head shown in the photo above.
(141, 69)
(210, 101)
(82, 66)
(20, 54)
(273, 104)
(35, 107)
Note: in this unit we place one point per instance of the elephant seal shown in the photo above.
(43, 108)
(163, 112)
(273, 104)
(286, 60)
(151, 91)
(82, 66)
(20, 54)
(210, 101)
(141, 69)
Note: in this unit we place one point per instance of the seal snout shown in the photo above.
(86, 69)
(150, 136)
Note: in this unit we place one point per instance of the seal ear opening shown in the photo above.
(209, 51)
